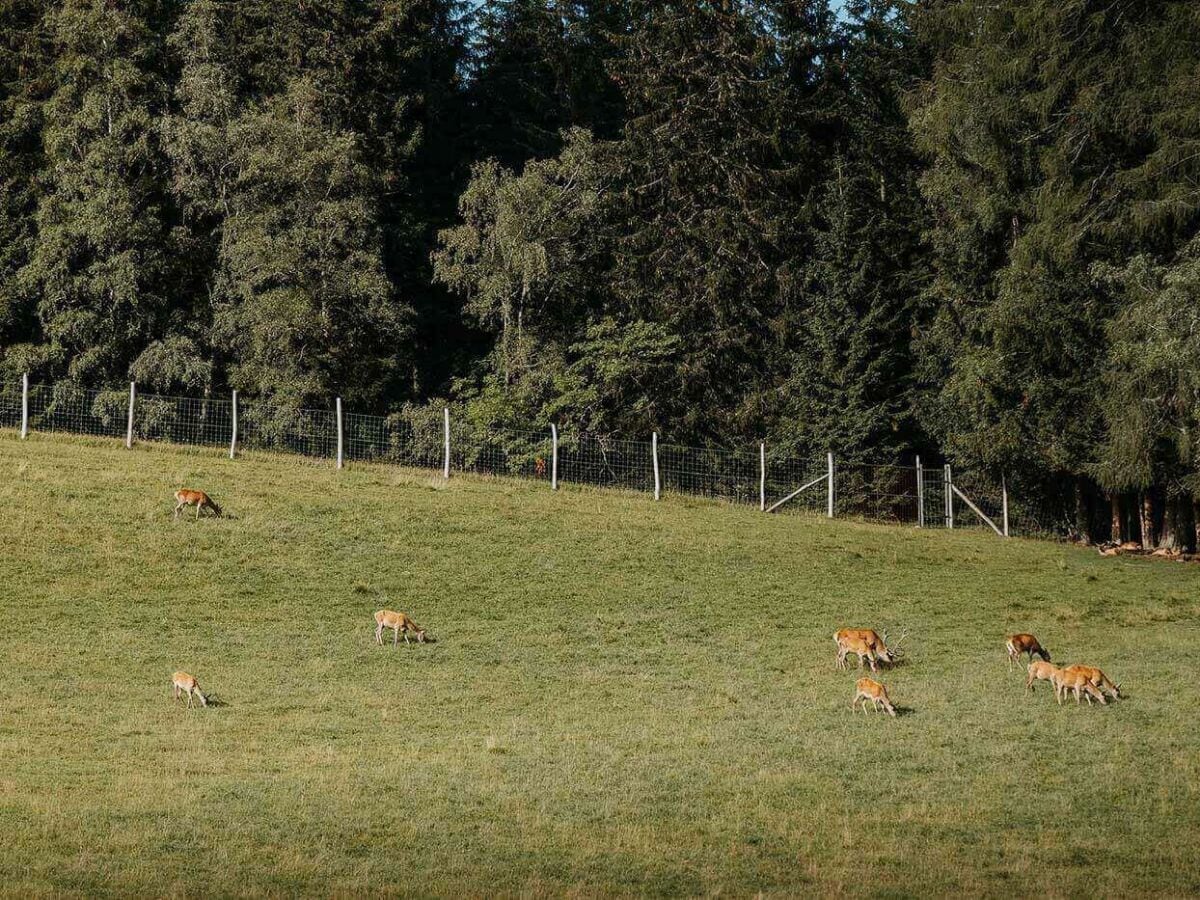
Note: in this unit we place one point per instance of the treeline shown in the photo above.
(961, 228)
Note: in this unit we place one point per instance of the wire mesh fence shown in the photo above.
(10, 405)
(418, 437)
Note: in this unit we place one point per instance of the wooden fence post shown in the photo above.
(553, 457)
(24, 406)
(339, 432)
(1004, 502)
(654, 453)
(446, 430)
(762, 476)
(829, 460)
(920, 495)
(233, 437)
(129, 425)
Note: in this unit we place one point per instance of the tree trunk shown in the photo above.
(1146, 513)
(1168, 537)
(1118, 534)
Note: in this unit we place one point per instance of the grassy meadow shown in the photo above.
(625, 697)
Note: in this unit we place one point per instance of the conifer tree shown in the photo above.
(101, 260)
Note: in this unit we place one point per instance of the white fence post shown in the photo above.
(553, 457)
(233, 437)
(129, 426)
(24, 405)
(829, 460)
(920, 495)
(762, 476)
(1004, 502)
(949, 497)
(654, 453)
(446, 455)
(339, 427)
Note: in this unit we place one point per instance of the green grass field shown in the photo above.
(624, 697)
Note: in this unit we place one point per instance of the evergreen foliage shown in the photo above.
(953, 227)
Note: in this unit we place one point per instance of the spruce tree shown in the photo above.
(102, 255)
(25, 80)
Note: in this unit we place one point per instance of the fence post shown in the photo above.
(762, 476)
(233, 437)
(920, 495)
(1004, 502)
(949, 497)
(339, 436)
(654, 453)
(553, 457)
(829, 460)
(24, 405)
(129, 426)
(446, 429)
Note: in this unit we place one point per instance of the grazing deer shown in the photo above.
(398, 622)
(867, 645)
(1043, 671)
(1023, 643)
(869, 689)
(1077, 678)
(199, 499)
(187, 684)
(1097, 679)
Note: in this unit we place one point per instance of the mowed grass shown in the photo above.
(625, 697)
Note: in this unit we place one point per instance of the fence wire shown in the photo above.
(416, 438)
(10, 405)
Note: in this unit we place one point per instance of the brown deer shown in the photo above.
(869, 689)
(1016, 644)
(398, 622)
(184, 683)
(199, 499)
(1043, 671)
(866, 644)
(1077, 678)
(1097, 679)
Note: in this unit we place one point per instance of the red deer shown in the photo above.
(398, 622)
(869, 689)
(199, 499)
(184, 683)
(1023, 643)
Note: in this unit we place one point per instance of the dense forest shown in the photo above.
(962, 228)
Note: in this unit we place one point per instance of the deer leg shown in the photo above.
(379, 633)
(395, 636)
(406, 640)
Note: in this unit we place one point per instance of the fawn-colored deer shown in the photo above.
(182, 682)
(1043, 671)
(1096, 679)
(398, 622)
(199, 499)
(1077, 679)
(869, 689)
(866, 644)
(1016, 644)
